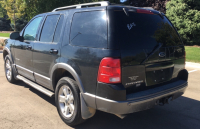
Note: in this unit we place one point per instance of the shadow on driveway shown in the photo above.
(45, 97)
(182, 113)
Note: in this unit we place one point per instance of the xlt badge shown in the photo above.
(133, 78)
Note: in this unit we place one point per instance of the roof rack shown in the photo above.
(93, 4)
(148, 8)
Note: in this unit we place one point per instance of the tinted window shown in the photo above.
(31, 30)
(89, 29)
(49, 28)
(58, 29)
(142, 31)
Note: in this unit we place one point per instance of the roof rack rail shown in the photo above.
(148, 8)
(102, 3)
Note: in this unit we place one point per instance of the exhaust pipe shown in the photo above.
(164, 101)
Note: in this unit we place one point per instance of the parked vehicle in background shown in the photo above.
(99, 56)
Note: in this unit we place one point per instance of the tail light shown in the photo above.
(144, 11)
(109, 71)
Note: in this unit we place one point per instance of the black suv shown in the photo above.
(99, 56)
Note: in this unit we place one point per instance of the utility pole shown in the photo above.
(14, 14)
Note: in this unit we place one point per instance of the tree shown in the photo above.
(15, 9)
(155, 4)
(185, 16)
(2, 11)
(35, 7)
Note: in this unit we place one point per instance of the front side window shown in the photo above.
(49, 28)
(31, 30)
(89, 29)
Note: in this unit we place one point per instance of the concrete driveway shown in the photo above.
(22, 107)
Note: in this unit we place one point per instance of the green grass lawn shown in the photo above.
(4, 34)
(192, 54)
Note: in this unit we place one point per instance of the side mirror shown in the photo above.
(14, 35)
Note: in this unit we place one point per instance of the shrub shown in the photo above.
(2, 43)
(20, 24)
(185, 15)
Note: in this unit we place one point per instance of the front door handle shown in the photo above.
(28, 47)
(53, 51)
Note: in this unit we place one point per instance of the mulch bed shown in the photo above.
(6, 31)
(194, 46)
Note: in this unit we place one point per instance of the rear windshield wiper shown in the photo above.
(126, 11)
(156, 48)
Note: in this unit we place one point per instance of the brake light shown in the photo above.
(144, 11)
(109, 70)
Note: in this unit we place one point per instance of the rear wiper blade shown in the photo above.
(126, 11)
(156, 48)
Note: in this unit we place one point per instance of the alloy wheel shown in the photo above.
(66, 101)
(8, 69)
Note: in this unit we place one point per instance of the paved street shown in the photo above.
(23, 107)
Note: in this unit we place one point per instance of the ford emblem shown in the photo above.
(162, 54)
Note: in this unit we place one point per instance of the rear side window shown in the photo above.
(89, 29)
(49, 28)
(58, 29)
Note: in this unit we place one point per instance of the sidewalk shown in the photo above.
(194, 65)
(3, 37)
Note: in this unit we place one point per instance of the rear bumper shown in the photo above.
(141, 100)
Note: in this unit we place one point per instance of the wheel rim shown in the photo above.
(8, 69)
(66, 101)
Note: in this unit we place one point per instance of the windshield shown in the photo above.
(142, 31)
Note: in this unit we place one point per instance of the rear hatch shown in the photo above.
(151, 50)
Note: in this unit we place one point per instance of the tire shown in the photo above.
(67, 98)
(9, 70)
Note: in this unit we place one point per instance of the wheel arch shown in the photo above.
(69, 71)
(86, 111)
(6, 52)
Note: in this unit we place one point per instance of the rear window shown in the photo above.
(89, 29)
(142, 31)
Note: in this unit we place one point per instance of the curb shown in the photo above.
(194, 65)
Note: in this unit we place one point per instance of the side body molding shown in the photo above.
(71, 71)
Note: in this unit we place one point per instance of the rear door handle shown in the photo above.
(53, 51)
